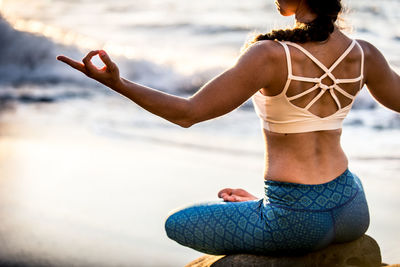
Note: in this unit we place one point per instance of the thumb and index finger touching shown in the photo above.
(103, 56)
(87, 61)
(106, 60)
(86, 65)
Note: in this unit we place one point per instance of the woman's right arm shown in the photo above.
(253, 70)
(382, 81)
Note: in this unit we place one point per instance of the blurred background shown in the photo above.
(87, 178)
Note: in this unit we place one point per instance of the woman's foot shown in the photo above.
(235, 195)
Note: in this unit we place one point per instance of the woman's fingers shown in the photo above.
(228, 195)
(74, 64)
(108, 75)
(233, 198)
(225, 192)
(88, 63)
(235, 195)
(107, 60)
(88, 67)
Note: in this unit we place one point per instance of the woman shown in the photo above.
(303, 82)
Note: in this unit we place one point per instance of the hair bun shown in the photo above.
(325, 7)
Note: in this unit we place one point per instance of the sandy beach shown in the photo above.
(70, 193)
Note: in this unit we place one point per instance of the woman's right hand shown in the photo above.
(235, 195)
(108, 75)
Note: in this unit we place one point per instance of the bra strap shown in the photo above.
(340, 59)
(362, 63)
(289, 66)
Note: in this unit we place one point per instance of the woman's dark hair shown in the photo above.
(327, 12)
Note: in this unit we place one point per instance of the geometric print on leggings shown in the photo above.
(313, 197)
(282, 222)
(226, 228)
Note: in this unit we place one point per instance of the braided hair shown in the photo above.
(319, 29)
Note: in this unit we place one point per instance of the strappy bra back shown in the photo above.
(279, 114)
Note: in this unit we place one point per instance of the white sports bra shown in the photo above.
(279, 115)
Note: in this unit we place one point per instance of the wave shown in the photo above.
(28, 61)
(23, 56)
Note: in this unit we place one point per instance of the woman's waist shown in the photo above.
(312, 158)
(310, 170)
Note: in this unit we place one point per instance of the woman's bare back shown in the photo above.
(312, 157)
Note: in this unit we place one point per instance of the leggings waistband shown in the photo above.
(317, 197)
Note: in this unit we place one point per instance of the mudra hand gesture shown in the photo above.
(108, 75)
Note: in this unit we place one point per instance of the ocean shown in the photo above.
(175, 46)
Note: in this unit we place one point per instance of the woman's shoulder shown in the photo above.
(266, 58)
(369, 49)
(267, 49)
(373, 56)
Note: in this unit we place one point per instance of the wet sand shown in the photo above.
(69, 195)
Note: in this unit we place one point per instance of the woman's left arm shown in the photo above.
(224, 93)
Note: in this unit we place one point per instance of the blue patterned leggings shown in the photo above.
(292, 218)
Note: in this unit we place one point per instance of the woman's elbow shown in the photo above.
(188, 117)
(186, 123)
